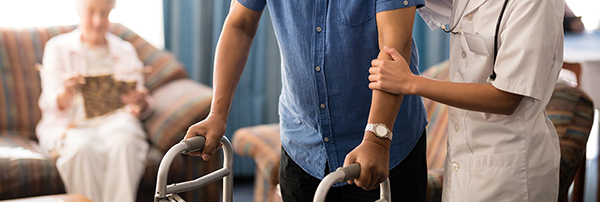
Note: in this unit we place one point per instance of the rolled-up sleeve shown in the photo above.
(255, 5)
(386, 5)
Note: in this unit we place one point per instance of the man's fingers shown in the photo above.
(393, 52)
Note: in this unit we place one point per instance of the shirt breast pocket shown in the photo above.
(479, 44)
(355, 12)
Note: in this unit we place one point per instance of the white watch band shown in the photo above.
(380, 130)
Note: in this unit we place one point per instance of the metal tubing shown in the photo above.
(163, 170)
(226, 172)
(348, 173)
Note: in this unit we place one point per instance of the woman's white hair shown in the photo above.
(79, 3)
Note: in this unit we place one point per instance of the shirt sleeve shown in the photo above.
(386, 5)
(436, 13)
(51, 80)
(255, 5)
(530, 48)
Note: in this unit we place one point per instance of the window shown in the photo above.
(144, 17)
(589, 10)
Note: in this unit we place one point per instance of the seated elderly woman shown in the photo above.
(101, 157)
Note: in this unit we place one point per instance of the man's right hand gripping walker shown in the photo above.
(348, 173)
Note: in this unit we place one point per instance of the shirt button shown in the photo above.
(326, 139)
(464, 55)
(469, 17)
(319, 29)
(455, 167)
(318, 68)
(456, 129)
(405, 2)
(322, 106)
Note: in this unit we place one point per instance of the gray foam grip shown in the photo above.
(195, 143)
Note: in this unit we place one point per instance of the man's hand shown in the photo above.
(392, 76)
(213, 129)
(373, 158)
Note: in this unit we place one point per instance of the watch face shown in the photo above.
(381, 131)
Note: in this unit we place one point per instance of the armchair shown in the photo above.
(26, 170)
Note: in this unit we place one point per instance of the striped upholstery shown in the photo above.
(572, 113)
(25, 170)
(262, 144)
(180, 103)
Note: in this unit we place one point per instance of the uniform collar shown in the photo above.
(473, 4)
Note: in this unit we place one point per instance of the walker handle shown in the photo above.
(347, 173)
(194, 144)
(351, 172)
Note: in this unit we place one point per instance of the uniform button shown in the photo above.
(456, 129)
(326, 139)
(464, 55)
(319, 29)
(405, 2)
(322, 106)
(318, 68)
(455, 167)
(469, 17)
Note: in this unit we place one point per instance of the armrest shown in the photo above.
(179, 104)
(262, 144)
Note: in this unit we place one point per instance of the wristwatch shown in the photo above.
(380, 130)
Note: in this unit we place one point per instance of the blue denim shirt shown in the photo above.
(326, 48)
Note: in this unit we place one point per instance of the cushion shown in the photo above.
(25, 169)
(165, 66)
(179, 104)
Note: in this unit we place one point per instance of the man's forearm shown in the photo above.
(231, 55)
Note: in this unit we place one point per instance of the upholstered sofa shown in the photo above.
(570, 110)
(26, 170)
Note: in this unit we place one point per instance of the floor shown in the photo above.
(243, 187)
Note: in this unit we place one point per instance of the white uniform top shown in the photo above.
(495, 157)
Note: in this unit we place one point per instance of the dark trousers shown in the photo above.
(408, 180)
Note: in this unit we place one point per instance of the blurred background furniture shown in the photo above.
(582, 56)
(570, 109)
(26, 170)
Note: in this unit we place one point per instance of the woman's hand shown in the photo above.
(72, 85)
(390, 76)
(136, 100)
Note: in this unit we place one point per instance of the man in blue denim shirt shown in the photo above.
(327, 47)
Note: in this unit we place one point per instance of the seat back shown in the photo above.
(22, 48)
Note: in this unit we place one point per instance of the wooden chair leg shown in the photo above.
(579, 182)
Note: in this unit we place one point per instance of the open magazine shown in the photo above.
(102, 94)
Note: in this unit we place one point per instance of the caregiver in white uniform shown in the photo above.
(501, 145)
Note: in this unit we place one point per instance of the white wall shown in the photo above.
(145, 17)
